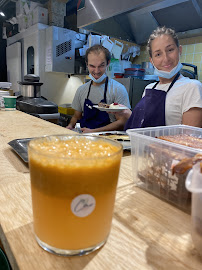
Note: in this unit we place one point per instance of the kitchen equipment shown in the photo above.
(148, 67)
(135, 20)
(31, 101)
(30, 87)
(192, 74)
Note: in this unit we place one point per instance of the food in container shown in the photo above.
(154, 158)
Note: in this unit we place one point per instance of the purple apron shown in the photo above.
(150, 110)
(92, 117)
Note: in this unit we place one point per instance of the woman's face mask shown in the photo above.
(166, 74)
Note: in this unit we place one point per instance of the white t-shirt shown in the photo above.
(116, 92)
(185, 94)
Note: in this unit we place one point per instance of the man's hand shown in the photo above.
(86, 130)
(69, 127)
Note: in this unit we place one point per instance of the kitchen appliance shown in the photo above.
(41, 49)
(30, 87)
(148, 67)
(30, 101)
(192, 74)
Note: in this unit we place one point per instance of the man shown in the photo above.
(99, 89)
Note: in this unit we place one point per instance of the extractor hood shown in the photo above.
(134, 20)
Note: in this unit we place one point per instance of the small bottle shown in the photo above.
(78, 128)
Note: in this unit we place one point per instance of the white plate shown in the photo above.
(110, 109)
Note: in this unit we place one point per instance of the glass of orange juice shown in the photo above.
(73, 184)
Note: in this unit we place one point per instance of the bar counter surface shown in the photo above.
(146, 232)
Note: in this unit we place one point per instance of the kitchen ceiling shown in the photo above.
(134, 20)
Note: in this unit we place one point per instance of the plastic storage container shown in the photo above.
(134, 73)
(194, 185)
(153, 159)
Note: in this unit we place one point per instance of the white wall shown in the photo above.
(59, 88)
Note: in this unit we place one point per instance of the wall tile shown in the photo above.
(197, 57)
(198, 47)
(189, 58)
(190, 48)
(191, 53)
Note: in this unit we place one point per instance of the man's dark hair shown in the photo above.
(97, 49)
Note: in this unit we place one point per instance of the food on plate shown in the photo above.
(103, 105)
(116, 137)
(114, 105)
(110, 106)
(184, 139)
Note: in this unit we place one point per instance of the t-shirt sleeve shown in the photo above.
(192, 96)
(122, 96)
(76, 103)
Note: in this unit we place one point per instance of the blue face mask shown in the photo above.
(99, 80)
(166, 74)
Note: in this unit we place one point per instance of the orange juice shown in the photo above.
(73, 184)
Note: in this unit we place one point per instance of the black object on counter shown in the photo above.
(39, 105)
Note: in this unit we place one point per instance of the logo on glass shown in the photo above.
(83, 205)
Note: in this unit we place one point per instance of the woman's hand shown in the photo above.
(86, 130)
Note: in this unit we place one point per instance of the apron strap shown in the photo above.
(105, 92)
(172, 83)
(174, 80)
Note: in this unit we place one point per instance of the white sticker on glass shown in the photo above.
(83, 205)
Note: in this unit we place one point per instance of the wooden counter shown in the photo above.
(146, 233)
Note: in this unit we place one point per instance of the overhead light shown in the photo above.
(2, 14)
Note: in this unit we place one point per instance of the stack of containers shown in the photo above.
(153, 160)
(29, 13)
(134, 73)
(4, 91)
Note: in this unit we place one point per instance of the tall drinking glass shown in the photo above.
(73, 184)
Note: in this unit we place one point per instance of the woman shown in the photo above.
(173, 100)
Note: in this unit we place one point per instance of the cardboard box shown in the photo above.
(23, 7)
(20, 7)
(22, 22)
(40, 15)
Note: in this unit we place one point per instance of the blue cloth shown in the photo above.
(92, 117)
(150, 110)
